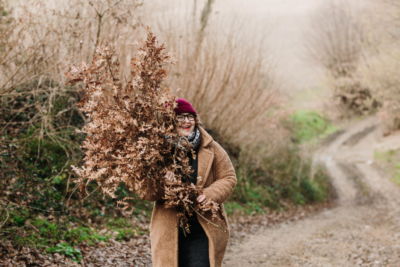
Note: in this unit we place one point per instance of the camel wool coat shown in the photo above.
(217, 177)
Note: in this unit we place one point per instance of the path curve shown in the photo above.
(362, 230)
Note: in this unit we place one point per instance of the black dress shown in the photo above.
(193, 247)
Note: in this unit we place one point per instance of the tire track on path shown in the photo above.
(362, 230)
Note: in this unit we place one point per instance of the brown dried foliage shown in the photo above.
(353, 98)
(131, 134)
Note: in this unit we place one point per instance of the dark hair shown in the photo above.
(198, 121)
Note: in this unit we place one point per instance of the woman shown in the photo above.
(206, 243)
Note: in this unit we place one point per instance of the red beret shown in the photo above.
(184, 106)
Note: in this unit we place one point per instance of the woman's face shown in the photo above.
(186, 124)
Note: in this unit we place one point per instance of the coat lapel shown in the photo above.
(205, 158)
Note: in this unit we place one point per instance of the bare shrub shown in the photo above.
(380, 70)
(38, 114)
(229, 80)
(48, 38)
(390, 80)
(353, 97)
(337, 43)
(338, 39)
(39, 41)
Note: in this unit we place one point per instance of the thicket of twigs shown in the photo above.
(360, 52)
(209, 69)
(380, 70)
(38, 114)
(338, 42)
(230, 81)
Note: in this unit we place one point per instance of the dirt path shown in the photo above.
(364, 228)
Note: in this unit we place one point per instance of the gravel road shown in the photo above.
(362, 230)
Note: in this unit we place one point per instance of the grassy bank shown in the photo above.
(389, 162)
(285, 177)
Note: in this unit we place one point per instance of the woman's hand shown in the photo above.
(169, 176)
(201, 198)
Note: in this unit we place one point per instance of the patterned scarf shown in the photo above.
(195, 138)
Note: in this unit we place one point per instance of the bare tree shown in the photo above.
(337, 40)
(381, 71)
(337, 43)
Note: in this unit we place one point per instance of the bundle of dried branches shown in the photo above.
(131, 135)
(353, 98)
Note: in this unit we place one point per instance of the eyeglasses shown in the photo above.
(181, 118)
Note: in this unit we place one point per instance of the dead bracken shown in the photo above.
(130, 132)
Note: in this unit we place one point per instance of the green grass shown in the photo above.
(309, 125)
(257, 190)
(232, 207)
(124, 228)
(65, 236)
(67, 250)
(391, 162)
(396, 177)
(388, 156)
(40, 232)
(85, 235)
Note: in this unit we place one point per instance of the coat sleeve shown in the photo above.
(225, 177)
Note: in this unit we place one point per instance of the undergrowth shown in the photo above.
(309, 125)
(390, 162)
(286, 176)
(279, 181)
(40, 206)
